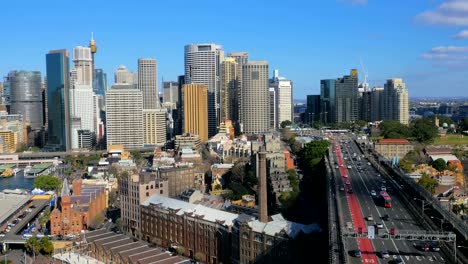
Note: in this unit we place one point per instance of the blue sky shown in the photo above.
(422, 41)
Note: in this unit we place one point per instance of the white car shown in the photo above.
(373, 193)
(2, 235)
(383, 188)
(349, 167)
(379, 225)
(345, 176)
(370, 218)
(336, 167)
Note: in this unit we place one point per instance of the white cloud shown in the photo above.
(449, 49)
(449, 13)
(462, 35)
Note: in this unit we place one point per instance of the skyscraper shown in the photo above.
(327, 101)
(195, 98)
(147, 83)
(171, 92)
(313, 110)
(100, 82)
(255, 97)
(365, 107)
(241, 59)
(273, 108)
(124, 116)
(228, 89)
(346, 98)
(396, 104)
(82, 64)
(202, 66)
(57, 64)
(377, 104)
(284, 99)
(26, 96)
(123, 75)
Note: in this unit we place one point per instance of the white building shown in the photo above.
(124, 116)
(123, 75)
(283, 97)
(396, 101)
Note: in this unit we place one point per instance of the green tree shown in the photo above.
(394, 129)
(464, 124)
(427, 183)
(424, 130)
(47, 182)
(314, 151)
(406, 165)
(439, 164)
(33, 245)
(286, 123)
(97, 220)
(136, 156)
(6, 261)
(47, 248)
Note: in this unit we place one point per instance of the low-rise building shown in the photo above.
(391, 148)
(187, 141)
(180, 177)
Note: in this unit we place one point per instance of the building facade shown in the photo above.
(377, 104)
(284, 98)
(26, 96)
(123, 75)
(272, 107)
(58, 89)
(202, 66)
(396, 101)
(180, 177)
(391, 148)
(124, 116)
(196, 112)
(154, 127)
(241, 58)
(100, 82)
(313, 110)
(171, 93)
(134, 189)
(255, 97)
(228, 89)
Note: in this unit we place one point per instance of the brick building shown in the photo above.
(180, 177)
(135, 189)
(76, 210)
(393, 147)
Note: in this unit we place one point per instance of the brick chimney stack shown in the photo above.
(262, 186)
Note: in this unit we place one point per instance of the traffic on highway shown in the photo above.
(371, 205)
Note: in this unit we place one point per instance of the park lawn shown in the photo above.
(452, 140)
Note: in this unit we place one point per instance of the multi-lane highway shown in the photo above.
(357, 180)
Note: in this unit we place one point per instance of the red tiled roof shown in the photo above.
(394, 141)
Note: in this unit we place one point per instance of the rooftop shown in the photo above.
(401, 141)
(9, 203)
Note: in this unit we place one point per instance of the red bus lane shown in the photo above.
(365, 245)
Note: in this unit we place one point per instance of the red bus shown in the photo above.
(387, 201)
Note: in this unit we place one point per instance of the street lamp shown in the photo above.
(441, 221)
(423, 204)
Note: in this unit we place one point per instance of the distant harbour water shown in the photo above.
(16, 182)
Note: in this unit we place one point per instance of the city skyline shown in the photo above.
(428, 38)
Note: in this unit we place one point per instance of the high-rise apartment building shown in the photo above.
(57, 64)
(82, 107)
(228, 89)
(202, 66)
(284, 98)
(365, 107)
(123, 75)
(346, 98)
(154, 126)
(26, 96)
(255, 97)
(195, 98)
(327, 101)
(396, 104)
(147, 83)
(377, 103)
(124, 116)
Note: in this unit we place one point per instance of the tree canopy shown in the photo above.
(427, 183)
(47, 182)
(286, 123)
(314, 150)
(439, 164)
(424, 130)
(394, 129)
(44, 245)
